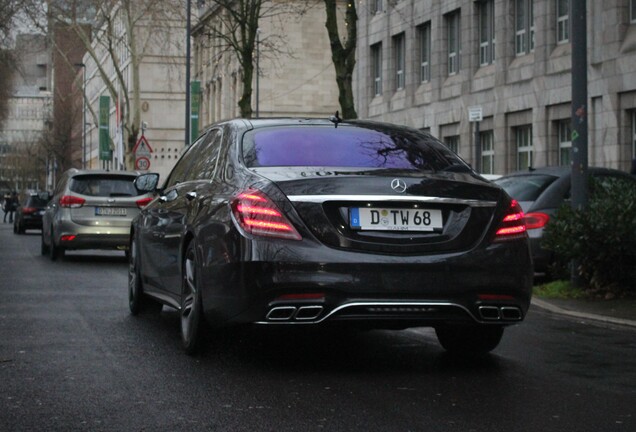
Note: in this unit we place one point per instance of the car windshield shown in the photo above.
(355, 147)
(104, 186)
(525, 187)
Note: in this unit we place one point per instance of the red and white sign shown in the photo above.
(142, 163)
(142, 151)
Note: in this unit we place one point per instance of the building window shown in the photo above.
(454, 45)
(376, 59)
(563, 21)
(487, 152)
(524, 26)
(486, 32)
(565, 142)
(452, 142)
(523, 140)
(424, 33)
(399, 49)
(376, 6)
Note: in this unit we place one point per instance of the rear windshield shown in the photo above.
(346, 146)
(525, 187)
(104, 186)
(35, 201)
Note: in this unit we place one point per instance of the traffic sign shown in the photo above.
(142, 163)
(475, 114)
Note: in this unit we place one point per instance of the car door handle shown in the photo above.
(191, 195)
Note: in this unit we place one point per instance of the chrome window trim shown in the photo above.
(320, 199)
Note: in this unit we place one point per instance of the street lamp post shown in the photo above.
(83, 66)
(258, 55)
(187, 65)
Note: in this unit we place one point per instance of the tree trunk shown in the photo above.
(343, 56)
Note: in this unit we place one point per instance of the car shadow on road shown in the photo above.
(309, 350)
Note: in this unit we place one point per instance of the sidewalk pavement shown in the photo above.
(615, 311)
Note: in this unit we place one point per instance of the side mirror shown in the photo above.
(147, 182)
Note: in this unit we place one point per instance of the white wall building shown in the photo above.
(161, 91)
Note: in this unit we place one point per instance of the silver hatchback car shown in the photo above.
(91, 210)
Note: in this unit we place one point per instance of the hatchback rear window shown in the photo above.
(346, 146)
(525, 187)
(104, 186)
(35, 201)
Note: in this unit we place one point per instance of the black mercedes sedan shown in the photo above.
(312, 222)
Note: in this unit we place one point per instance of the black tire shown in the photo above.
(55, 252)
(138, 302)
(469, 340)
(21, 228)
(192, 321)
(15, 228)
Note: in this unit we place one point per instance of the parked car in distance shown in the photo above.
(29, 214)
(540, 192)
(91, 210)
(311, 222)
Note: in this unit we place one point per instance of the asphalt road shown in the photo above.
(72, 358)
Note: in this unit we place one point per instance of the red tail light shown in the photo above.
(71, 201)
(28, 210)
(141, 203)
(513, 225)
(536, 220)
(258, 215)
(67, 238)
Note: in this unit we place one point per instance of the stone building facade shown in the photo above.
(425, 63)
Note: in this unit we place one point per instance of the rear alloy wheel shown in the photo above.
(469, 340)
(191, 310)
(55, 252)
(138, 302)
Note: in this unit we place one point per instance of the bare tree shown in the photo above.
(8, 11)
(343, 53)
(119, 37)
(236, 29)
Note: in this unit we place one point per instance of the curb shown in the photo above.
(584, 315)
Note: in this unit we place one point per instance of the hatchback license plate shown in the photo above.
(395, 219)
(110, 211)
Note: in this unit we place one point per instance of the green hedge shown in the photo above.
(602, 238)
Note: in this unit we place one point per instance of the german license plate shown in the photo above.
(395, 219)
(110, 211)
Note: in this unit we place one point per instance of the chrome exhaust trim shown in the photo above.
(277, 318)
(308, 313)
(281, 313)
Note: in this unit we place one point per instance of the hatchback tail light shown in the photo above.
(513, 225)
(71, 201)
(143, 202)
(257, 214)
(536, 220)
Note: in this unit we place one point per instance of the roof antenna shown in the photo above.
(335, 119)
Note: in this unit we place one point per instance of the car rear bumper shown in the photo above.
(488, 286)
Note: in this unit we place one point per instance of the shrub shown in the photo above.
(602, 237)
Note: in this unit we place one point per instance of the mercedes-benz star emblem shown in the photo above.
(398, 185)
